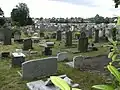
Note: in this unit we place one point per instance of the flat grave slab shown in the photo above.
(47, 85)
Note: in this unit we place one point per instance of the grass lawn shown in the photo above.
(10, 80)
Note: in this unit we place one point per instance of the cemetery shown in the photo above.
(30, 62)
(41, 55)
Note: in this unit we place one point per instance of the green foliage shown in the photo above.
(1, 12)
(2, 21)
(112, 69)
(20, 15)
(103, 87)
(57, 81)
(117, 2)
(2, 18)
(98, 19)
(114, 72)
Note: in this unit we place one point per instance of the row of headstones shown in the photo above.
(47, 66)
(38, 67)
(83, 62)
(82, 41)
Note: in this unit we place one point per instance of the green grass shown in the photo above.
(10, 79)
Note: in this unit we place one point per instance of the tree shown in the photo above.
(98, 19)
(117, 2)
(1, 12)
(2, 18)
(107, 20)
(20, 15)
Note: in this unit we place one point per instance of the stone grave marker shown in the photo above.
(48, 85)
(5, 54)
(62, 56)
(17, 35)
(17, 59)
(59, 35)
(40, 67)
(1, 34)
(7, 36)
(77, 61)
(42, 34)
(90, 33)
(27, 44)
(83, 43)
(68, 38)
(96, 36)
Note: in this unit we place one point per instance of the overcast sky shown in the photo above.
(63, 8)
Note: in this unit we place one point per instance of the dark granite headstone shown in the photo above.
(83, 43)
(47, 51)
(17, 59)
(90, 33)
(69, 38)
(7, 36)
(42, 34)
(59, 35)
(96, 36)
(27, 44)
(5, 54)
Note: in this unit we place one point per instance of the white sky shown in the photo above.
(47, 8)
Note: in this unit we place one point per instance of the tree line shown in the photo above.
(20, 17)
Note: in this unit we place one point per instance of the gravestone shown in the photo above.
(47, 51)
(5, 54)
(27, 44)
(7, 36)
(50, 44)
(62, 56)
(77, 61)
(59, 35)
(42, 34)
(68, 38)
(37, 68)
(17, 35)
(17, 59)
(96, 36)
(1, 34)
(91, 63)
(83, 43)
(90, 33)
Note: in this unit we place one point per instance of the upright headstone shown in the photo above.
(83, 43)
(1, 34)
(59, 35)
(17, 35)
(90, 33)
(27, 44)
(69, 38)
(96, 36)
(37, 68)
(7, 36)
(42, 34)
